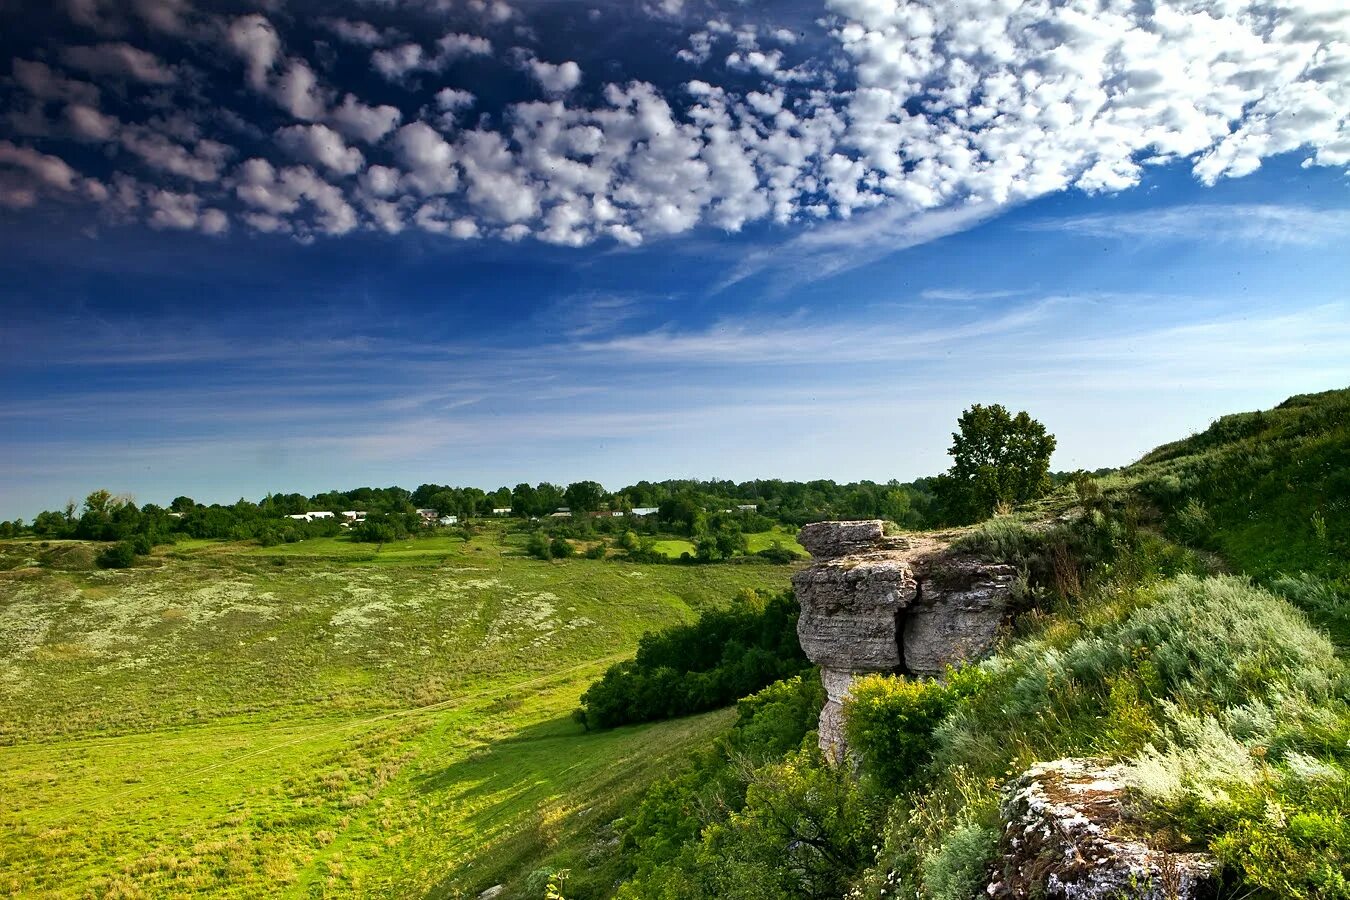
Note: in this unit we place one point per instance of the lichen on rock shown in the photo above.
(1063, 839)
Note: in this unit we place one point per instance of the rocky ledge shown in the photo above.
(907, 604)
(1062, 824)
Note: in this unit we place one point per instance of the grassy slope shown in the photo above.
(217, 723)
(1273, 487)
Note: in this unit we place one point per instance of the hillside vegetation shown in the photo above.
(318, 718)
(1175, 617)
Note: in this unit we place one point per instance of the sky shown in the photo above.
(286, 246)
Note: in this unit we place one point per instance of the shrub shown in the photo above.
(119, 556)
(777, 553)
(890, 721)
(561, 548)
(958, 869)
(538, 546)
(596, 551)
(725, 655)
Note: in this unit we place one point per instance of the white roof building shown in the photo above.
(645, 510)
(501, 511)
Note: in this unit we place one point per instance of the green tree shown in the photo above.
(996, 458)
(584, 496)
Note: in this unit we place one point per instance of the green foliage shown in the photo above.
(725, 655)
(890, 721)
(120, 555)
(561, 548)
(997, 458)
(759, 816)
(958, 869)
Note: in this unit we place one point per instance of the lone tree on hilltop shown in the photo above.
(997, 458)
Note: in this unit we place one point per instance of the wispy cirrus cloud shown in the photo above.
(1270, 224)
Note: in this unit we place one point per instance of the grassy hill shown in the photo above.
(1161, 629)
(1269, 492)
(318, 719)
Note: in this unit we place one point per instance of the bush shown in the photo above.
(725, 655)
(777, 553)
(119, 556)
(561, 548)
(890, 721)
(959, 869)
(596, 551)
(538, 546)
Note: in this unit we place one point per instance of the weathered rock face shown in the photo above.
(1060, 823)
(878, 604)
(826, 540)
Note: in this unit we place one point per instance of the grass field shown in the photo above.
(318, 719)
(763, 540)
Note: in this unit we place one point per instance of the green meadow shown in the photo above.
(321, 718)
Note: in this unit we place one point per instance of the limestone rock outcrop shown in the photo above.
(1062, 824)
(873, 603)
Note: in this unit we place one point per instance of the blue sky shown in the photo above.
(256, 248)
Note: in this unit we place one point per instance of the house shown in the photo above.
(448, 520)
(310, 516)
(354, 515)
(645, 510)
(500, 511)
(748, 507)
(428, 515)
(563, 512)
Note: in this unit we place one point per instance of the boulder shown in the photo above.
(1063, 839)
(901, 604)
(849, 618)
(959, 614)
(826, 540)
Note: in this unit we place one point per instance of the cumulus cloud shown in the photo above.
(257, 43)
(554, 79)
(361, 34)
(890, 122)
(119, 60)
(427, 158)
(204, 162)
(323, 146)
(276, 196)
(398, 63)
(88, 124)
(25, 172)
(364, 123)
(39, 80)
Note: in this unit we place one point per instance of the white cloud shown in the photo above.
(397, 63)
(428, 159)
(364, 123)
(1260, 224)
(362, 34)
(277, 194)
(321, 145)
(38, 79)
(922, 117)
(88, 124)
(25, 172)
(119, 60)
(204, 162)
(298, 92)
(554, 79)
(254, 39)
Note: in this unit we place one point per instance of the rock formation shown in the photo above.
(1060, 840)
(902, 604)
